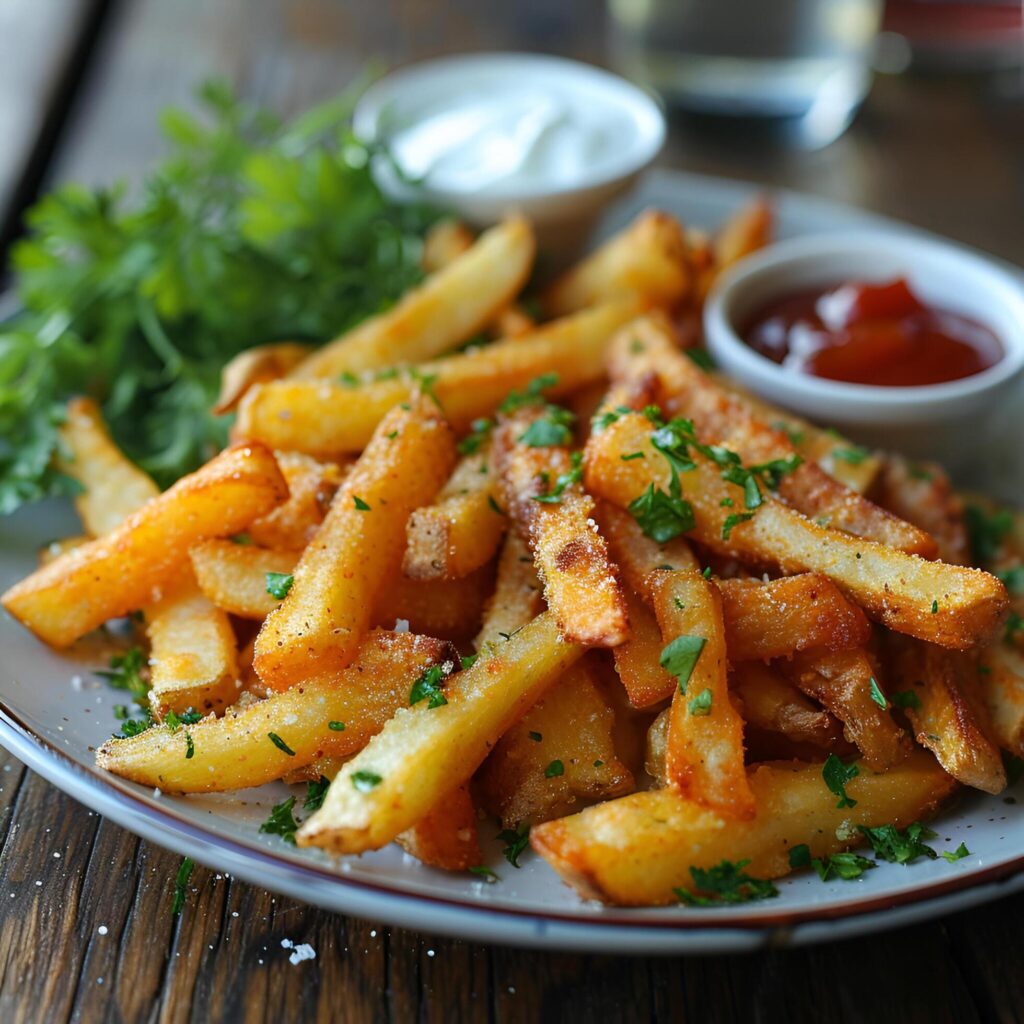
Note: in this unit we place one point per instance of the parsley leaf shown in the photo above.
(484, 872)
(563, 481)
(958, 854)
(701, 704)
(679, 658)
(280, 744)
(854, 454)
(281, 821)
(1014, 579)
(364, 781)
(846, 866)
(474, 441)
(899, 847)
(662, 516)
(726, 883)
(279, 583)
(516, 841)
(836, 776)
(181, 880)
(554, 770)
(533, 393)
(877, 696)
(428, 688)
(550, 430)
(315, 793)
(987, 531)
(359, 504)
(734, 520)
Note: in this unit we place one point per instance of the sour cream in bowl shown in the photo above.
(554, 139)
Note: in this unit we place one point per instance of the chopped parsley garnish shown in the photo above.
(854, 454)
(906, 699)
(679, 658)
(662, 516)
(605, 419)
(279, 583)
(348, 378)
(935, 607)
(846, 866)
(126, 673)
(535, 736)
(987, 532)
(550, 430)
(877, 696)
(1014, 579)
(468, 660)
(336, 726)
(516, 841)
(428, 688)
(181, 880)
(899, 847)
(631, 456)
(563, 481)
(472, 443)
(726, 883)
(836, 775)
(175, 722)
(534, 393)
(190, 747)
(701, 704)
(554, 770)
(734, 520)
(706, 572)
(364, 781)
(281, 821)
(426, 382)
(315, 793)
(485, 873)
(958, 854)
(359, 504)
(494, 506)
(121, 712)
(1014, 625)
(133, 726)
(800, 856)
(795, 435)
(280, 744)
(701, 357)
(598, 763)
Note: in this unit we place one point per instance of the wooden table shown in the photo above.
(86, 933)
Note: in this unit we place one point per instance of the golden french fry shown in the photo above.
(656, 749)
(637, 850)
(424, 751)
(770, 702)
(462, 529)
(704, 752)
(320, 623)
(550, 508)
(1001, 682)
(311, 486)
(559, 754)
(126, 569)
(946, 604)
(444, 243)
(329, 715)
(192, 652)
(746, 231)
(324, 418)
(114, 487)
(450, 306)
(646, 260)
(646, 349)
(450, 609)
(841, 681)
(637, 660)
(256, 365)
(949, 716)
(234, 576)
(446, 837)
(517, 597)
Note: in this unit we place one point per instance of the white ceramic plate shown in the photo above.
(53, 712)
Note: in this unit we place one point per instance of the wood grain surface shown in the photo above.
(84, 906)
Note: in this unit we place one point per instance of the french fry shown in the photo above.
(320, 623)
(559, 754)
(635, 851)
(444, 243)
(426, 752)
(570, 555)
(192, 652)
(462, 529)
(646, 349)
(770, 702)
(322, 418)
(656, 750)
(841, 682)
(256, 365)
(449, 609)
(1001, 682)
(126, 568)
(236, 751)
(450, 306)
(950, 605)
(923, 495)
(746, 231)
(311, 486)
(646, 260)
(517, 597)
(446, 837)
(637, 660)
(234, 576)
(114, 487)
(949, 716)
(704, 752)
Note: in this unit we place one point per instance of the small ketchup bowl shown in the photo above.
(944, 421)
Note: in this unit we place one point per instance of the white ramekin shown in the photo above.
(552, 208)
(941, 421)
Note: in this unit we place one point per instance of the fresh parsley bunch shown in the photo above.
(251, 230)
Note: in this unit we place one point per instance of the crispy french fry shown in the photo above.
(950, 605)
(126, 568)
(322, 418)
(746, 231)
(949, 716)
(637, 850)
(517, 597)
(450, 609)
(704, 752)
(922, 495)
(444, 243)
(552, 511)
(256, 365)
(446, 837)
(426, 751)
(311, 486)
(559, 754)
(452, 305)
(193, 654)
(841, 682)
(320, 623)
(513, 322)
(462, 529)
(770, 702)
(236, 751)
(647, 260)
(646, 349)
(637, 660)
(656, 750)
(1001, 683)
(114, 487)
(234, 576)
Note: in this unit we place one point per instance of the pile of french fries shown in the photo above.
(485, 558)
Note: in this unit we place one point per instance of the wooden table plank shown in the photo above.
(213, 965)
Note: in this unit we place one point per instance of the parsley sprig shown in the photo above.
(725, 883)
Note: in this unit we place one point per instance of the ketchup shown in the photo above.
(871, 334)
